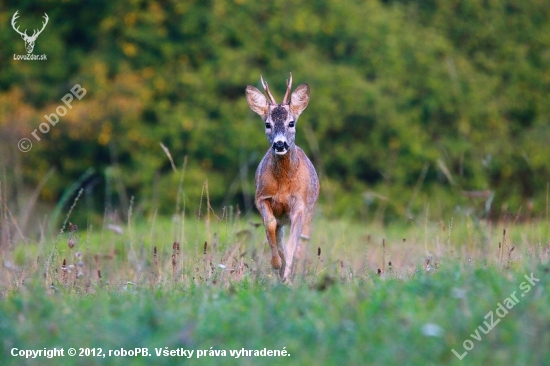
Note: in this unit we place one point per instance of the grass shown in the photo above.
(364, 295)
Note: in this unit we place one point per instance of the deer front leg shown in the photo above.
(270, 224)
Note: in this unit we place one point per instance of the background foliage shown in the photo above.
(412, 102)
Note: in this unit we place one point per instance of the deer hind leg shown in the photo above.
(302, 242)
(305, 236)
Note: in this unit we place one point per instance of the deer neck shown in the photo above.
(284, 166)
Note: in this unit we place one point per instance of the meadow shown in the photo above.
(453, 292)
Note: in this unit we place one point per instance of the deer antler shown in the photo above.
(266, 88)
(13, 19)
(288, 87)
(24, 34)
(43, 26)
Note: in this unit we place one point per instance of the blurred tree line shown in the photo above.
(413, 102)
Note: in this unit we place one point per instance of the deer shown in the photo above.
(29, 40)
(287, 185)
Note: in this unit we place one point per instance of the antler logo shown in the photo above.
(29, 40)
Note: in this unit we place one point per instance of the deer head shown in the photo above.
(29, 40)
(280, 119)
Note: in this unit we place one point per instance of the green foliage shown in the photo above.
(409, 100)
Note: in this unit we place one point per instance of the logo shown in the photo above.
(29, 40)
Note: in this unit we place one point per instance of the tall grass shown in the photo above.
(224, 248)
(407, 293)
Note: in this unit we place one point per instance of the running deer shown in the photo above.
(287, 186)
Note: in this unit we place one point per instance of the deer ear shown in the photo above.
(299, 99)
(257, 101)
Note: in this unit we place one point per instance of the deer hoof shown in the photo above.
(276, 262)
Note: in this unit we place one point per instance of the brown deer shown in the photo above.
(287, 186)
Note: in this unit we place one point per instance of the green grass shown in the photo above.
(444, 278)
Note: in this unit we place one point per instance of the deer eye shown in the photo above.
(267, 125)
(291, 124)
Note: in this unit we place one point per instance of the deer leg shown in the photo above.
(270, 224)
(296, 226)
(279, 235)
(304, 239)
(305, 236)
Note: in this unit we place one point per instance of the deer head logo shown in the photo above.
(29, 40)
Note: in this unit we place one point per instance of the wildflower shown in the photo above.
(71, 242)
(432, 330)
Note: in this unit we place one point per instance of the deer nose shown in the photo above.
(280, 146)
